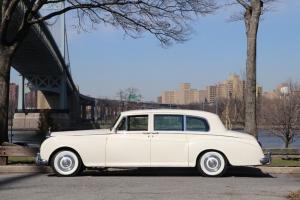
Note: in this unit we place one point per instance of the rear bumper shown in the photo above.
(39, 160)
(267, 159)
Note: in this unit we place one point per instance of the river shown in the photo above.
(31, 138)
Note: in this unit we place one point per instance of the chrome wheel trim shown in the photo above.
(212, 163)
(66, 162)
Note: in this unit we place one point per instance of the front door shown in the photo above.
(130, 145)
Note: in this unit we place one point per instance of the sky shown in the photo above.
(104, 60)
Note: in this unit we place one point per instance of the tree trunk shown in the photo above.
(6, 54)
(286, 144)
(252, 16)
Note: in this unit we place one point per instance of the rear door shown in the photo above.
(169, 146)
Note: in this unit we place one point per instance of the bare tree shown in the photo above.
(129, 96)
(283, 113)
(231, 112)
(166, 20)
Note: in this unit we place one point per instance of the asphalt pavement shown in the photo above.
(172, 184)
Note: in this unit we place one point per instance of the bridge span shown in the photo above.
(44, 67)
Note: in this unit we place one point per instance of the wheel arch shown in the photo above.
(215, 150)
(64, 148)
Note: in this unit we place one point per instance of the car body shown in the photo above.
(154, 138)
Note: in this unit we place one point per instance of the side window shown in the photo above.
(122, 125)
(168, 122)
(137, 123)
(196, 124)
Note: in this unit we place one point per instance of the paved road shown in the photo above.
(243, 183)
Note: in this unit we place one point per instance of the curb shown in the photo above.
(24, 169)
(280, 170)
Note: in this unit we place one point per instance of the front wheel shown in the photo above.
(66, 163)
(212, 163)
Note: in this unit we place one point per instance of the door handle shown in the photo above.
(146, 133)
(155, 133)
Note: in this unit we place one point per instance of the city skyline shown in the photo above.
(232, 87)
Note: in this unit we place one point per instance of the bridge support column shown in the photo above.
(83, 111)
(63, 94)
(21, 95)
(93, 113)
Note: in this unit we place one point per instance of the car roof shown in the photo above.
(170, 111)
(213, 119)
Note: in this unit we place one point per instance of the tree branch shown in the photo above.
(8, 9)
(244, 4)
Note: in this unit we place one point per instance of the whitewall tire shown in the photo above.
(212, 163)
(66, 163)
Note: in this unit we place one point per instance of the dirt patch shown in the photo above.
(294, 196)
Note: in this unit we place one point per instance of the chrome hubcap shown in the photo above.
(212, 163)
(66, 163)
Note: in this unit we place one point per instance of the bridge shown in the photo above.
(43, 63)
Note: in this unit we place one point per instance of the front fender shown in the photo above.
(90, 148)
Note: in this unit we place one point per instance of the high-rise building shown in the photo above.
(231, 88)
(194, 96)
(184, 95)
(202, 96)
(222, 90)
(13, 95)
(211, 93)
(159, 99)
(31, 100)
(168, 97)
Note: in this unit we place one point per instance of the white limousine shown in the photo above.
(153, 138)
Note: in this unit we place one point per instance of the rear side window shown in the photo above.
(168, 122)
(137, 123)
(196, 124)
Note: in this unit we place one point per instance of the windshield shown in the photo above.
(115, 121)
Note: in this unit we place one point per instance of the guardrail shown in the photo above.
(283, 151)
(13, 151)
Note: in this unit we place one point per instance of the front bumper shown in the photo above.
(39, 160)
(267, 159)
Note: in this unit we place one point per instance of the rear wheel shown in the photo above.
(212, 163)
(66, 163)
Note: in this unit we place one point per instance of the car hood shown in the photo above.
(81, 132)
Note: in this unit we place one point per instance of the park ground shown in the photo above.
(173, 184)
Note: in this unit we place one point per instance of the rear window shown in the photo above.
(196, 124)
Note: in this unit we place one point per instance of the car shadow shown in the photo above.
(17, 178)
(246, 172)
(231, 172)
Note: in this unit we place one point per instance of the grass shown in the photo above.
(285, 162)
(21, 160)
